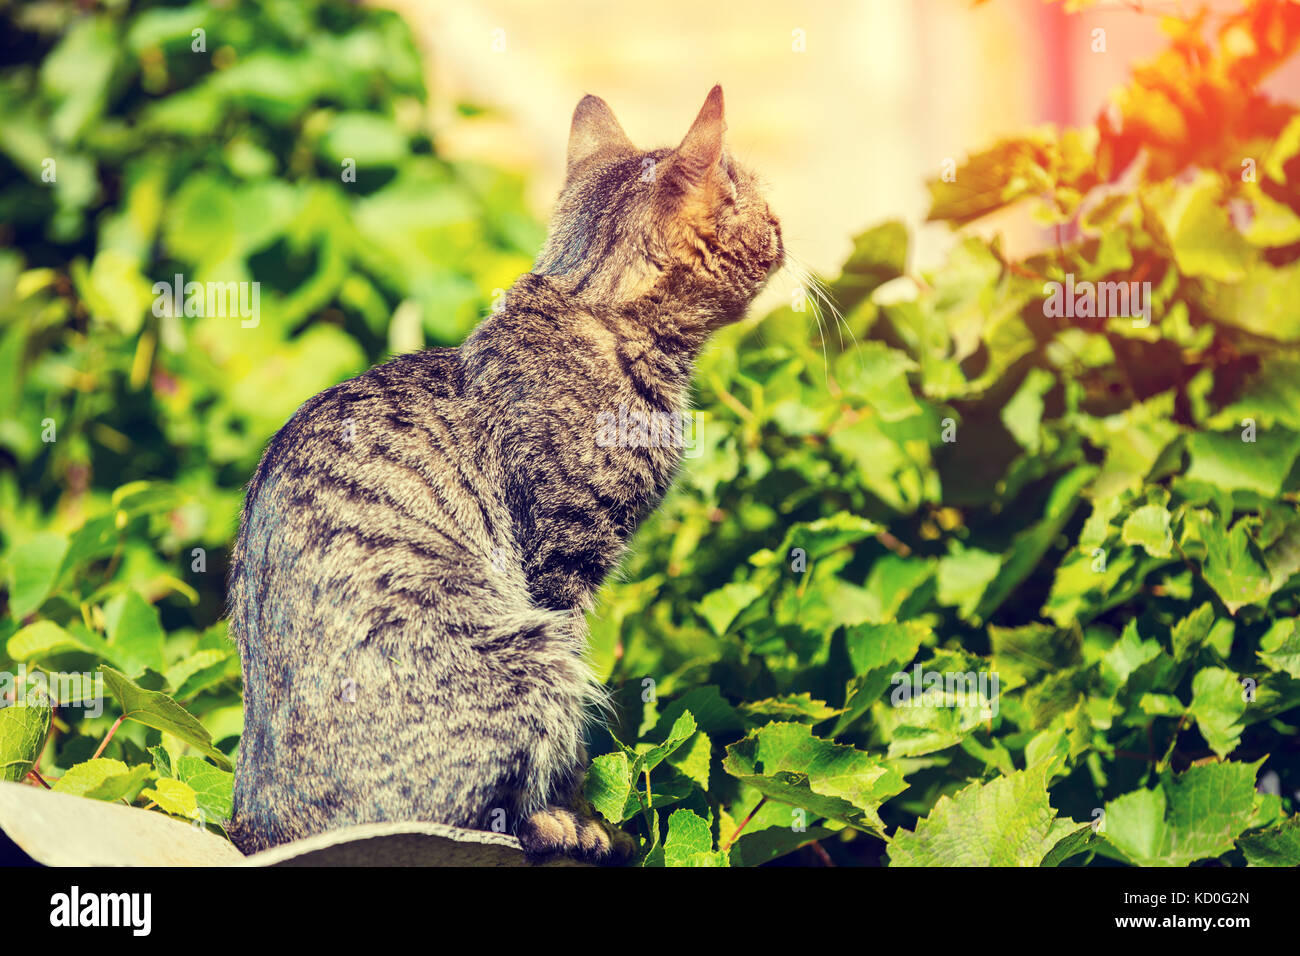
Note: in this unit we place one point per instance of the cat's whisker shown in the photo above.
(793, 270)
(820, 298)
(823, 299)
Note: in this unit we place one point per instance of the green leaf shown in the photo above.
(23, 728)
(819, 538)
(784, 761)
(1032, 650)
(963, 575)
(1262, 302)
(721, 607)
(1023, 414)
(693, 759)
(892, 581)
(991, 179)
(43, 639)
(214, 789)
(1005, 822)
(1276, 846)
(144, 498)
(1149, 527)
(936, 704)
(1190, 633)
(689, 842)
(653, 755)
(795, 706)
(162, 761)
(1190, 816)
(1218, 703)
(758, 846)
(879, 374)
(201, 671)
(875, 646)
(103, 779)
(1232, 464)
(135, 634)
(876, 653)
(1195, 222)
(365, 138)
(1128, 654)
(33, 568)
(609, 784)
(1279, 648)
(879, 255)
(95, 539)
(1029, 546)
(712, 713)
(922, 725)
(174, 797)
(157, 710)
(1076, 840)
(1234, 566)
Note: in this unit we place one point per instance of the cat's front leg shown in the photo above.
(572, 828)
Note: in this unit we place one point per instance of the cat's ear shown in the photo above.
(697, 162)
(594, 129)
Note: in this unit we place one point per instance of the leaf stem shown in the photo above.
(111, 731)
(822, 855)
(735, 834)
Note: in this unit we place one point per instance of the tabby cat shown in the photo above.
(419, 544)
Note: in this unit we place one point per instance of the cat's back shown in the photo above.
(379, 410)
(376, 475)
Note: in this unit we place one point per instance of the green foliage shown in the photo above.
(134, 149)
(989, 582)
(1100, 510)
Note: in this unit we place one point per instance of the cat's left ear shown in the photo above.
(594, 129)
(697, 163)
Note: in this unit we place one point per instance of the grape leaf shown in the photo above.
(1276, 846)
(1007, 821)
(1190, 816)
(689, 842)
(786, 762)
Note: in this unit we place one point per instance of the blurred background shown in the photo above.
(844, 106)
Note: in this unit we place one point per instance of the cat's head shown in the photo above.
(688, 220)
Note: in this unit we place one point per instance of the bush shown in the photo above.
(1076, 532)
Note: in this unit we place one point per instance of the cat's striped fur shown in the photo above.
(419, 544)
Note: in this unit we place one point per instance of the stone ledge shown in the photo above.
(57, 829)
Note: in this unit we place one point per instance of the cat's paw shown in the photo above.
(558, 831)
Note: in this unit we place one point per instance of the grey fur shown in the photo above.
(418, 544)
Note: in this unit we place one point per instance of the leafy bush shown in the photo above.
(1078, 532)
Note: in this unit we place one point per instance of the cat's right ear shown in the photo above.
(696, 172)
(594, 130)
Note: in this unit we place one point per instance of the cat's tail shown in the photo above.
(546, 657)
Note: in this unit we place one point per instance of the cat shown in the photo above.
(419, 544)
